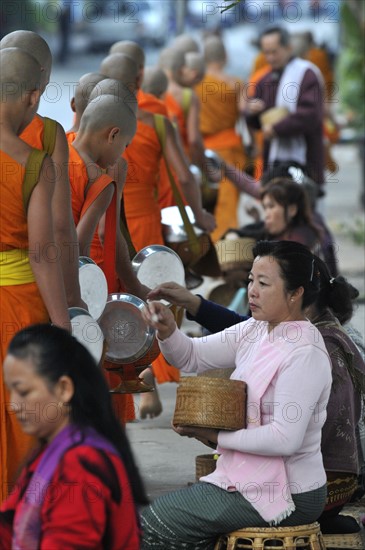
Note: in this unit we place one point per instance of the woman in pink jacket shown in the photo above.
(270, 473)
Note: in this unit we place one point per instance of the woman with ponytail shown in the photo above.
(342, 454)
(81, 486)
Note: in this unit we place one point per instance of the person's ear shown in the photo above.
(65, 389)
(113, 134)
(292, 210)
(297, 294)
(34, 97)
(73, 105)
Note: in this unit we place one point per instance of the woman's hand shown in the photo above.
(160, 318)
(177, 295)
(208, 436)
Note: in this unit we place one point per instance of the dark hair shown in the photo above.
(283, 34)
(55, 353)
(286, 192)
(335, 293)
(294, 171)
(297, 265)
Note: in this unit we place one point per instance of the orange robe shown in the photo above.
(33, 133)
(143, 211)
(150, 103)
(140, 190)
(259, 62)
(177, 117)
(123, 404)
(20, 305)
(218, 117)
(71, 136)
(259, 160)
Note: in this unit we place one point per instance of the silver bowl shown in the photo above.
(127, 335)
(87, 331)
(157, 264)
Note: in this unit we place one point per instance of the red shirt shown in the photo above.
(88, 505)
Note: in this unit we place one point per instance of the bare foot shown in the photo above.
(149, 404)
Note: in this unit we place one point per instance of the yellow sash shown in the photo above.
(15, 267)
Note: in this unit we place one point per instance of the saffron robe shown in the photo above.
(218, 117)
(21, 305)
(123, 404)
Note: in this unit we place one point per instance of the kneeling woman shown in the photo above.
(81, 486)
(272, 472)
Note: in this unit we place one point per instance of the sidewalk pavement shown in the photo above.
(166, 460)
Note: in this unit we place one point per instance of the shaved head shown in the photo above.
(195, 61)
(132, 49)
(106, 112)
(172, 60)
(33, 43)
(185, 43)
(84, 87)
(214, 50)
(155, 81)
(113, 87)
(119, 66)
(20, 73)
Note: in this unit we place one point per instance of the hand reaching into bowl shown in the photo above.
(160, 318)
(176, 294)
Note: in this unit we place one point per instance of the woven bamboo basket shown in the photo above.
(273, 115)
(205, 465)
(235, 253)
(211, 403)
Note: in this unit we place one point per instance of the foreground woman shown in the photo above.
(81, 486)
(272, 472)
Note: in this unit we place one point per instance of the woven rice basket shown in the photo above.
(235, 253)
(205, 465)
(211, 403)
(273, 115)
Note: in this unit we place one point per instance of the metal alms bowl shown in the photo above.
(87, 331)
(93, 286)
(157, 264)
(127, 335)
(173, 226)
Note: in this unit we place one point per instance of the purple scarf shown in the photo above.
(27, 521)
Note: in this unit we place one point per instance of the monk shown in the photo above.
(143, 217)
(222, 102)
(185, 43)
(115, 68)
(106, 128)
(135, 52)
(31, 287)
(79, 101)
(194, 68)
(34, 134)
(155, 82)
(183, 108)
